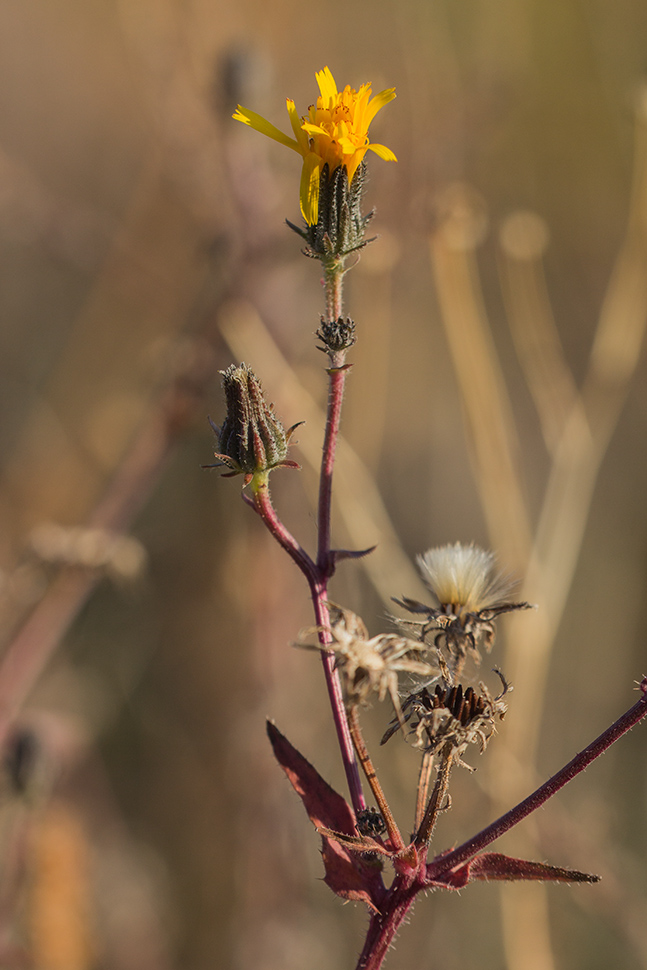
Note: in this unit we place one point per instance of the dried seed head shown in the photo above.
(369, 666)
(464, 578)
(470, 593)
(449, 718)
(252, 440)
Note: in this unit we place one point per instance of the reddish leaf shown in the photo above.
(348, 874)
(350, 877)
(325, 807)
(495, 865)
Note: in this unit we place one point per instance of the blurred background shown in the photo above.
(498, 395)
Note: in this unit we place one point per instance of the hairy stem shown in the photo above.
(385, 924)
(335, 399)
(264, 507)
(428, 824)
(424, 777)
(333, 283)
(371, 777)
(317, 584)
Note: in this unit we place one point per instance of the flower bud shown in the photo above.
(336, 335)
(340, 227)
(251, 441)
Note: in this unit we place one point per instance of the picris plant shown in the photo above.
(440, 710)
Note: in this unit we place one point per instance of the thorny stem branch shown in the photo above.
(545, 791)
(384, 926)
(371, 777)
(318, 573)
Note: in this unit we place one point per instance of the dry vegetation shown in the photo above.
(498, 395)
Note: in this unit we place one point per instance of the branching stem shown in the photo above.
(318, 573)
(545, 791)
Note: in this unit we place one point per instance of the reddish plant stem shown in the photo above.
(317, 584)
(383, 926)
(318, 573)
(264, 507)
(534, 801)
(333, 684)
(335, 399)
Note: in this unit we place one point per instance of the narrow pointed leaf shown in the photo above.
(496, 866)
(339, 554)
(348, 874)
(325, 807)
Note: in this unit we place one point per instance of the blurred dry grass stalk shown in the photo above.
(186, 252)
(577, 424)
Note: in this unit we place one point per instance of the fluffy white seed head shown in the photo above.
(464, 577)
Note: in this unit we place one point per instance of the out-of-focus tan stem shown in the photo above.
(488, 413)
(33, 645)
(577, 427)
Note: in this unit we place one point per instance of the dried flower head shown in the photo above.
(470, 593)
(334, 134)
(372, 666)
(449, 718)
(251, 441)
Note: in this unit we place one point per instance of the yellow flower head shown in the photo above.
(335, 132)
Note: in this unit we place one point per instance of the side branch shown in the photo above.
(317, 583)
(263, 505)
(581, 761)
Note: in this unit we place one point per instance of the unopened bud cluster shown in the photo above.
(336, 335)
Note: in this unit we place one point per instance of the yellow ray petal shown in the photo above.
(327, 86)
(382, 151)
(378, 103)
(295, 121)
(309, 190)
(265, 127)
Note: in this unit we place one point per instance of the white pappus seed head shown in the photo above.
(464, 576)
